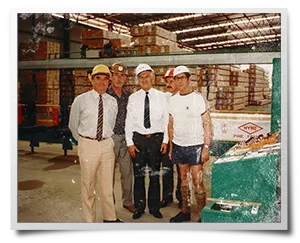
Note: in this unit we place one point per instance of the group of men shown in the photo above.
(143, 131)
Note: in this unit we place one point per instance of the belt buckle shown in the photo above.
(148, 135)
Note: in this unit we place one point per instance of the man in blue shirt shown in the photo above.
(119, 76)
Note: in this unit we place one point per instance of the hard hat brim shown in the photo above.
(93, 74)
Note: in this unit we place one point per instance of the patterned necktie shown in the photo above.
(147, 112)
(100, 119)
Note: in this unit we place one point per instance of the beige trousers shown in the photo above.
(97, 162)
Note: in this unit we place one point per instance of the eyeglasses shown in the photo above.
(177, 78)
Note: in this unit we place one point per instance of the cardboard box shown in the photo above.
(93, 53)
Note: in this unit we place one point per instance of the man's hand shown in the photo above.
(170, 150)
(204, 154)
(132, 149)
(163, 148)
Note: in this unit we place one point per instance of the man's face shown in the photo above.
(181, 81)
(118, 79)
(100, 82)
(145, 79)
(170, 85)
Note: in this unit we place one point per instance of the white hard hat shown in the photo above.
(169, 73)
(142, 67)
(180, 69)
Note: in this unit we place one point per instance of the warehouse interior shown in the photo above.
(234, 59)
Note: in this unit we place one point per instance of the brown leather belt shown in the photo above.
(149, 135)
(102, 139)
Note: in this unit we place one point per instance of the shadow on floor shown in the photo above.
(30, 184)
(62, 162)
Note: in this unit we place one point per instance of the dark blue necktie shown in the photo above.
(147, 112)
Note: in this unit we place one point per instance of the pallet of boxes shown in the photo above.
(96, 39)
(230, 92)
(42, 88)
(153, 40)
(259, 89)
(82, 83)
(66, 86)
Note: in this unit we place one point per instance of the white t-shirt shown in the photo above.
(168, 95)
(186, 111)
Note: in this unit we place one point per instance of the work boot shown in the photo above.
(181, 217)
(185, 214)
(201, 201)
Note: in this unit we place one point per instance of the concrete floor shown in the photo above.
(49, 188)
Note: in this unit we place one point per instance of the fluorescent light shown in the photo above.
(231, 33)
(224, 24)
(237, 41)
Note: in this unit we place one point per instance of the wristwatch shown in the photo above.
(206, 146)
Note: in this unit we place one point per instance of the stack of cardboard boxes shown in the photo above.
(153, 40)
(81, 82)
(259, 90)
(96, 39)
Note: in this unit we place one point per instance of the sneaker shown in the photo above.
(181, 217)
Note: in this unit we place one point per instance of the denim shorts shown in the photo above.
(187, 154)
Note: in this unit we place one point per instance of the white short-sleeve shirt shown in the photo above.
(186, 111)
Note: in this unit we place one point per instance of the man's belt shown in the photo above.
(149, 135)
(102, 139)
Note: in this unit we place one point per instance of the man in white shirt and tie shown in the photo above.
(92, 120)
(146, 131)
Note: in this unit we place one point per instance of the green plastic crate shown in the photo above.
(251, 180)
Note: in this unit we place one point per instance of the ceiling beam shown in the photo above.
(187, 59)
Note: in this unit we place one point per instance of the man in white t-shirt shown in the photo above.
(167, 165)
(191, 134)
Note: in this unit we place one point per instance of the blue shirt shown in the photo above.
(122, 110)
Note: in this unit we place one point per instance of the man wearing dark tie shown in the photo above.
(146, 131)
(92, 120)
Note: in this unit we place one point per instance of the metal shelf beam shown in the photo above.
(166, 60)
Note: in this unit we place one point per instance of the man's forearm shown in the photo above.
(208, 128)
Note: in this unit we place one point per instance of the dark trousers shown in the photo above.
(168, 180)
(149, 156)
